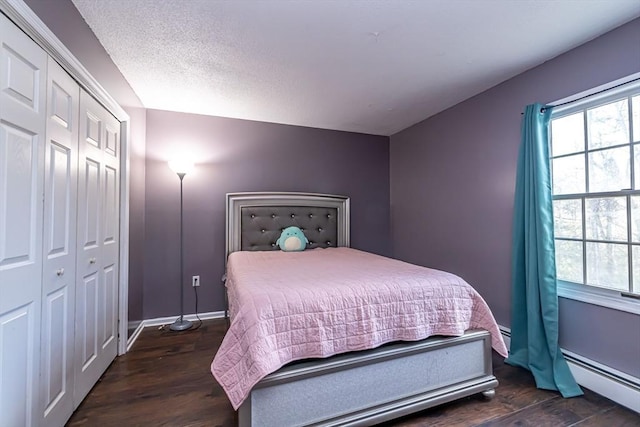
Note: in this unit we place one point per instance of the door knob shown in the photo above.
(60, 272)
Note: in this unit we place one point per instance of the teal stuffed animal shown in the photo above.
(292, 239)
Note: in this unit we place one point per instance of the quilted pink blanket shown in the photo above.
(287, 306)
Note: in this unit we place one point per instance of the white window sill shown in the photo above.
(602, 297)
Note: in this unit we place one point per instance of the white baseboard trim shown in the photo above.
(158, 321)
(132, 324)
(161, 321)
(618, 386)
(134, 335)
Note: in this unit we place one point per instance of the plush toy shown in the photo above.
(292, 239)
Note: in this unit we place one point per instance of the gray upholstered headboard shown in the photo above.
(255, 220)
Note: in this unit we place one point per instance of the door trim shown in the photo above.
(18, 12)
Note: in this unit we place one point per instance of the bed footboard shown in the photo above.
(373, 386)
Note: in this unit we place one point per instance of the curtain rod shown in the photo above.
(543, 109)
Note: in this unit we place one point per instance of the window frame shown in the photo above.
(610, 298)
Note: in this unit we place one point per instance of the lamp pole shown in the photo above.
(180, 324)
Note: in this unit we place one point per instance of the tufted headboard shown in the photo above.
(255, 220)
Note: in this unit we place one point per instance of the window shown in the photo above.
(595, 164)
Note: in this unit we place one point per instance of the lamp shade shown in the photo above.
(181, 166)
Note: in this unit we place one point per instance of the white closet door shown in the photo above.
(23, 68)
(98, 244)
(59, 247)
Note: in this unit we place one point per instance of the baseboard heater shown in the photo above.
(622, 388)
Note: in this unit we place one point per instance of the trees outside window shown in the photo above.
(595, 160)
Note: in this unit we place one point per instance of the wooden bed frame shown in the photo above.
(345, 390)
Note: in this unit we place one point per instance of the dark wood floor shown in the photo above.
(165, 381)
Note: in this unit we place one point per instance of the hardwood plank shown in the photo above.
(166, 381)
(555, 412)
(614, 417)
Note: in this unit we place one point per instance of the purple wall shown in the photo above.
(453, 182)
(239, 155)
(137, 158)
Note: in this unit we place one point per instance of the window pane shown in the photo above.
(569, 261)
(568, 175)
(606, 218)
(636, 154)
(609, 170)
(635, 219)
(567, 134)
(636, 269)
(567, 218)
(607, 265)
(608, 125)
(635, 105)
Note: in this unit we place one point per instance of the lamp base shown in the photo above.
(181, 324)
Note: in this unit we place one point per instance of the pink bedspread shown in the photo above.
(287, 306)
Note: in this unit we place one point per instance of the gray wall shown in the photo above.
(453, 182)
(64, 20)
(240, 155)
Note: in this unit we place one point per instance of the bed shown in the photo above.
(334, 336)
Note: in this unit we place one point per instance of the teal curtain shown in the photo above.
(534, 309)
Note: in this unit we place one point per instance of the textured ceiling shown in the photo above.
(364, 66)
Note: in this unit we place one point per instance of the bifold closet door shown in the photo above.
(59, 247)
(23, 67)
(97, 244)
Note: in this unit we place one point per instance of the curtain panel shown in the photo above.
(534, 309)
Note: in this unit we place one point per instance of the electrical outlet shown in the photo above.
(195, 281)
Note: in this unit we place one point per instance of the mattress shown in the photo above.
(288, 306)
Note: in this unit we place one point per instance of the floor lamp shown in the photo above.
(181, 168)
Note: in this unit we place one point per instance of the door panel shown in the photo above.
(23, 68)
(86, 330)
(97, 258)
(19, 202)
(59, 193)
(93, 129)
(109, 303)
(89, 204)
(63, 105)
(55, 385)
(59, 263)
(21, 82)
(110, 206)
(17, 338)
(111, 140)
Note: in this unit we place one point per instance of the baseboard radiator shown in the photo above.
(622, 388)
